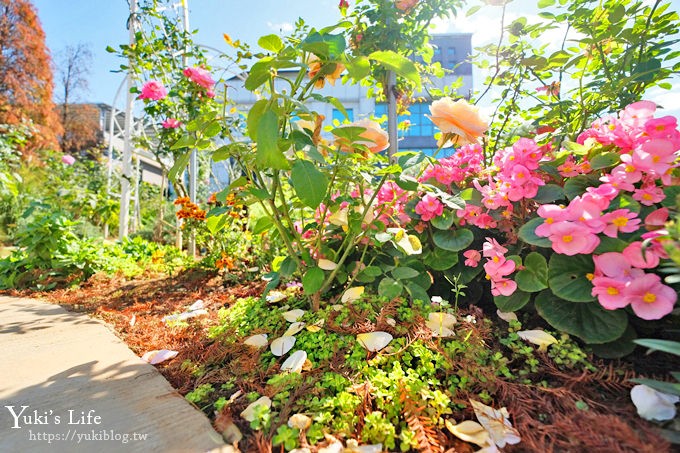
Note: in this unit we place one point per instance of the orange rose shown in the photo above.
(458, 118)
(404, 5)
(315, 66)
(374, 138)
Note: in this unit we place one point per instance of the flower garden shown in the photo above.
(353, 296)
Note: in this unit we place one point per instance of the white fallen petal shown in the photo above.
(326, 265)
(436, 299)
(377, 448)
(438, 330)
(275, 296)
(652, 404)
(293, 315)
(198, 305)
(294, 328)
(248, 413)
(374, 341)
(294, 362)
(253, 269)
(538, 337)
(391, 322)
(352, 294)
(506, 316)
(133, 320)
(469, 431)
(497, 424)
(259, 340)
(282, 345)
(334, 447)
(299, 421)
(158, 356)
(442, 319)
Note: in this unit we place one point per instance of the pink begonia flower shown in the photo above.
(609, 292)
(492, 248)
(634, 255)
(171, 123)
(498, 267)
(199, 76)
(618, 181)
(68, 159)
(637, 113)
(649, 194)
(153, 90)
(649, 298)
(570, 238)
(473, 257)
(484, 221)
(621, 220)
(503, 287)
(605, 191)
(627, 171)
(612, 264)
(660, 127)
(656, 219)
(429, 207)
(551, 213)
(654, 156)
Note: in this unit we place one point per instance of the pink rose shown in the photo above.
(171, 123)
(68, 159)
(153, 90)
(200, 77)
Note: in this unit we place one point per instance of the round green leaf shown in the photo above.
(618, 348)
(313, 280)
(513, 302)
(389, 288)
(440, 259)
(534, 276)
(526, 233)
(549, 193)
(444, 221)
(567, 277)
(453, 240)
(608, 244)
(288, 266)
(590, 322)
(577, 185)
(417, 292)
(403, 273)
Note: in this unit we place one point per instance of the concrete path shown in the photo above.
(81, 389)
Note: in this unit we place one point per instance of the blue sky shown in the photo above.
(101, 23)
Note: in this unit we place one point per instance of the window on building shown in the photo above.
(437, 54)
(451, 52)
(338, 115)
(420, 125)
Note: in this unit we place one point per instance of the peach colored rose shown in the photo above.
(404, 5)
(315, 66)
(458, 118)
(374, 138)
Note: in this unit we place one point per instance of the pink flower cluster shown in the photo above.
(202, 78)
(429, 207)
(467, 161)
(171, 123)
(391, 201)
(619, 281)
(649, 149)
(153, 90)
(497, 267)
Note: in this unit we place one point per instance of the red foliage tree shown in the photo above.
(82, 130)
(26, 83)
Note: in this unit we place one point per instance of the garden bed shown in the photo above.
(558, 399)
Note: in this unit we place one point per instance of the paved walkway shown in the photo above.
(84, 390)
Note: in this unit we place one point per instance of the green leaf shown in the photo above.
(545, 3)
(178, 167)
(672, 193)
(262, 224)
(549, 193)
(604, 160)
(313, 280)
(271, 43)
(259, 73)
(325, 45)
(608, 244)
(373, 271)
(526, 233)
(577, 185)
(392, 61)
(216, 223)
(618, 348)
(534, 276)
(472, 10)
(513, 302)
(671, 347)
(254, 116)
(625, 201)
(185, 141)
(359, 68)
(403, 273)
(417, 292)
(567, 277)
(590, 322)
(268, 153)
(309, 183)
(444, 221)
(288, 266)
(453, 240)
(389, 288)
(212, 129)
(440, 259)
